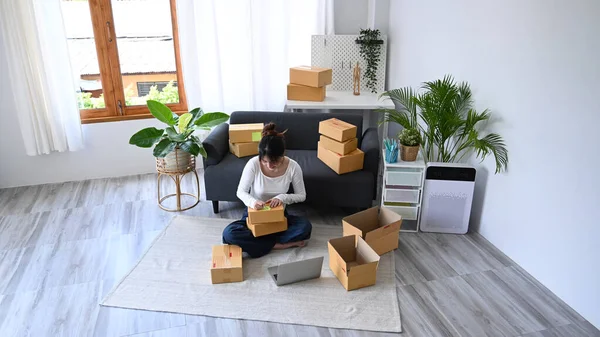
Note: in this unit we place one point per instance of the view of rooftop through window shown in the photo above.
(144, 37)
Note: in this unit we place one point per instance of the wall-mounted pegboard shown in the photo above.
(340, 53)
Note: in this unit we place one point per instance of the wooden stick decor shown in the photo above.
(356, 80)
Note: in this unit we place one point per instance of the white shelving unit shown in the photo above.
(402, 190)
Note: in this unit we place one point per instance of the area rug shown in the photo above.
(174, 276)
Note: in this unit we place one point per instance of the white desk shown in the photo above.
(346, 100)
(343, 100)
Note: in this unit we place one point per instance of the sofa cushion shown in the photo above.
(302, 127)
(325, 186)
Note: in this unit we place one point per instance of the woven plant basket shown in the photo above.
(177, 161)
(409, 153)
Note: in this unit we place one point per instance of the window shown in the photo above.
(123, 52)
(143, 88)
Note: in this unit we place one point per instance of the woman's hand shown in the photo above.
(259, 204)
(275, 202)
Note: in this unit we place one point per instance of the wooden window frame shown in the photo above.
(110, 69)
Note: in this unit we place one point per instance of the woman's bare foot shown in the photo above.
(289, 245)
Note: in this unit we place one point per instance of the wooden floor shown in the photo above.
(63, 247)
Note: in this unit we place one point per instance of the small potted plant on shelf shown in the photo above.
(176, 146)
(410, 142)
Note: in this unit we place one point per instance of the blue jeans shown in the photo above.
(237, 233)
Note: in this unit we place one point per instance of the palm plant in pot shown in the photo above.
(176, 146)
(451, 128)
(410, 141)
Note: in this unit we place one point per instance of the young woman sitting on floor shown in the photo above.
(265, 180)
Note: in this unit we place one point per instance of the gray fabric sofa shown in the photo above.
(222, 170)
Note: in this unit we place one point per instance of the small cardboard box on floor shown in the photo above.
(245, 133)
(353, 262)
(350, 162)
(226, 264)
(243, 149)
(378, 226)
(311, 76)
(337, 130)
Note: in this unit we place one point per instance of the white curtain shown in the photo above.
(35, 45)
(236, 54)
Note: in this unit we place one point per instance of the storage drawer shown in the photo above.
(399, 178)
(409, 225)
(394, 195)
(408, 213)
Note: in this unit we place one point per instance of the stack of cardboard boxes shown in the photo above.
(338, 146)
(308, 83)
(244, 139)
(266, 221)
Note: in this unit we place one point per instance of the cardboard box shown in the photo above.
(351, 162)
(266, 215)
(243, 149)
(337, 130)
(261, 229)
(353, 262)
(339, 147)
(226, 264)
(311, 76)
(297, 92)
(378, 226)
(245, 133)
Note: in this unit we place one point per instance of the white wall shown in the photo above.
(536, 64)
(352, 15)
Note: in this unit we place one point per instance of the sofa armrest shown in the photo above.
(216, 145)
(370, 146)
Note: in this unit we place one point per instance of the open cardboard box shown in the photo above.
(245, 133)
(226, 264)
(353, 262)
(267, 214)
(337, 130)
(267, 228)
(378, 226)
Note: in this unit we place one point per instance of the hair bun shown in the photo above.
(269, 130)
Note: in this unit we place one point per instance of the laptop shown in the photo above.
(296, 271)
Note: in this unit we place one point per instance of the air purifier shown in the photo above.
(447, 198)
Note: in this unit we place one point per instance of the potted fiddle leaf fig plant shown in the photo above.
(410, 141)
(176, 146)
